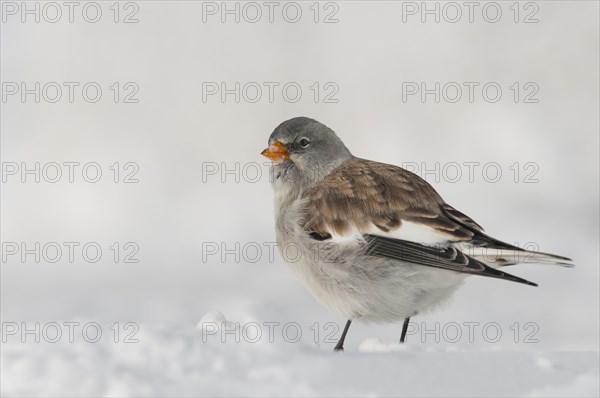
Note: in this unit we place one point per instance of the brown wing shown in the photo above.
(361, 192)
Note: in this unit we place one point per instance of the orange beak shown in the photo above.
(277, 152)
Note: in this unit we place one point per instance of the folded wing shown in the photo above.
(400, 216)
(448, 258)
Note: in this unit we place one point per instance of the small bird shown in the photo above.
(371, 241)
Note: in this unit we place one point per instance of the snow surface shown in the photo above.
(172, 361)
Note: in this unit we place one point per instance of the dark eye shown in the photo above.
(303, 143)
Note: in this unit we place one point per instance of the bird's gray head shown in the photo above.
(304, 151)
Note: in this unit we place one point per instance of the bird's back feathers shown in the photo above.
(401, 216)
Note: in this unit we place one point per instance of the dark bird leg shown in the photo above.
(340, 345)
(404, 329)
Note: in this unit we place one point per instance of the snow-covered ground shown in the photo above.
(174, 361)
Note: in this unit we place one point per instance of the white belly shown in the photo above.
(363, 288)
(368, 289)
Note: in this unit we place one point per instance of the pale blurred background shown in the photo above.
(368, 54)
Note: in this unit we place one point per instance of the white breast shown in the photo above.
(356, 287)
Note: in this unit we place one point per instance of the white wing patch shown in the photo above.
(410, 231)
